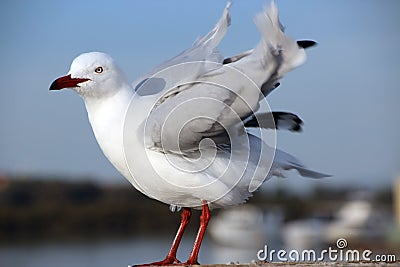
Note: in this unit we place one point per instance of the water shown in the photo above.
(110, 253)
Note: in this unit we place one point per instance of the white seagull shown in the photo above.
(180, 134)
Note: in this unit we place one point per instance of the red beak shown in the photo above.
(66, 82)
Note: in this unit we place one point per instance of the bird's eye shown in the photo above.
(99, 70)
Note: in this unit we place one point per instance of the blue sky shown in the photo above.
(346, 93)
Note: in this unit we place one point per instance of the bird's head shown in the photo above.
(93, 74)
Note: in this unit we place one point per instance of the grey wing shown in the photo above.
(203, 50)
(219, 96)
(213, 106)
(182, 121)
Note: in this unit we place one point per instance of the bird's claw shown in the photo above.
(167, 261)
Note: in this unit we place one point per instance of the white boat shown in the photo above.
(239, 227)
(304, 234)
(358, 220)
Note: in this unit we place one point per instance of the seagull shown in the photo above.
(190, 133)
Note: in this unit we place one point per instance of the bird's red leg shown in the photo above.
(204, 219)
(171, 256)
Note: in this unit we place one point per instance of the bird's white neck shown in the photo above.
(106, 115)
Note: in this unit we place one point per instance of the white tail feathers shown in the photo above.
(284, 161)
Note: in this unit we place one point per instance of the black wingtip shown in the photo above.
(296, 128)
(227, 61)
(306, 43)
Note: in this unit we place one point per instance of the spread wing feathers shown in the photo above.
(222, 95)
(275, 120)
(301, 43)
(204, 49)
(275, 55)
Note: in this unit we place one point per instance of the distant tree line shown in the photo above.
(54, 209)
(42, 209)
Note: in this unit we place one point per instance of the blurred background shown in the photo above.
(61, 201)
